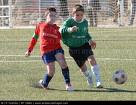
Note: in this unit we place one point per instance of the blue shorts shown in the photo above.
(50, 56)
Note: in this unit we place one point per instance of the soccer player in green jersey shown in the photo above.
(76, 36)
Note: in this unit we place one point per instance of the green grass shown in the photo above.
(115, 49)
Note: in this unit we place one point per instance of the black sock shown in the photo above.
(66, 76)
(46, 80)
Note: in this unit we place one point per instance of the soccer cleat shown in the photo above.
(90, 81)
(98, 85)
(69, 87)
(41, 84)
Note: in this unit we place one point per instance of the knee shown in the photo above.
(92, 62)
(51, 73)
(83, 68)
(63, 64)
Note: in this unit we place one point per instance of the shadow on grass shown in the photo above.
(106, 90)
(89, 90)
(36, 85)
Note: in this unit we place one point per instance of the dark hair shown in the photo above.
(78, 7)
(51, 9)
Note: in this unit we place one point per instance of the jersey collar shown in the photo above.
(78, 21)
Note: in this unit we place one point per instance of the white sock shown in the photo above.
(96, 72)
(87, 73)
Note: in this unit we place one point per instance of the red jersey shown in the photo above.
(49, 37)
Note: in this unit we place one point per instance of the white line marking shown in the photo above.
(117, 59)
(67, 58)
(16, 56)
(20, 61)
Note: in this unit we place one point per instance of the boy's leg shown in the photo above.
(80, 60)
(49, 60)
(96, 70)
(48, 76)
(87, 74)
(65, 70)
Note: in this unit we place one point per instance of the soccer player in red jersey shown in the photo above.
(50, 48)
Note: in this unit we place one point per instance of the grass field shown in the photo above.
(116, 49)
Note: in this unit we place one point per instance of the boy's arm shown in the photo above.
(33, 42)
(65, 28)
(89, 36)
(91, 42)
(88, 33)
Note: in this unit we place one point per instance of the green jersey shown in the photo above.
(78, 38)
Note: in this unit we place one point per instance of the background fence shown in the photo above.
(25, 13)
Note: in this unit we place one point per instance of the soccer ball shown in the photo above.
(119, 77)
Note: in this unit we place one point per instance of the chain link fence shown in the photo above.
(100, 13)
